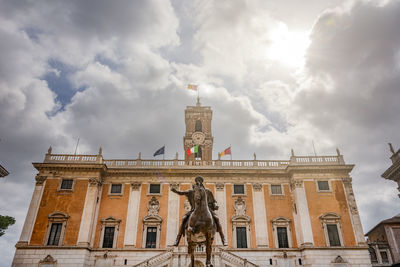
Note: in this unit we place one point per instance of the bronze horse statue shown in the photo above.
(201, 226)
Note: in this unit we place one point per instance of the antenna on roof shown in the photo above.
(315, 153)
(76, 148)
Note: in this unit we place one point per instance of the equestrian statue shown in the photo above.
(201, 222)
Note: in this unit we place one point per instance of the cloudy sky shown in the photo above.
(278, 75)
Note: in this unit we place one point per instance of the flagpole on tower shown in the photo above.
(163, 155)
(230, 148)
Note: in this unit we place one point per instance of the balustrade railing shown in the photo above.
(234, 259)
(157, 260)
(145, 163)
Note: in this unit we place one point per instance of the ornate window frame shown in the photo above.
(152, 219)
(109, 222)
(282, 222)
(56, 217)
(116, 194)
(240, 219)
(331, 218)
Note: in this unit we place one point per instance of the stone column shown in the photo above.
(89, 213)
(302, 218)
(32, 211)
(353, 212)
(132, 216)
(260, 216)
(173, 215)
(220, 197)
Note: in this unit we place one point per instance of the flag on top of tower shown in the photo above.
(159, 151)
(192, 87)
(226, 152)
(192, 150)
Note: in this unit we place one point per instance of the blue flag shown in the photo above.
(159, 152)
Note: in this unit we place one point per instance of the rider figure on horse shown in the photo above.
(212, 205)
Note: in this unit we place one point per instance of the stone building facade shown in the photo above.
(90, 211)
(384, 238)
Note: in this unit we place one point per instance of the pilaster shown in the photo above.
(33, 210)
(220, 196)
(132, 216)
(260, 216)
(89, 213)
(173, 215)
(302, 216)
(353, 212)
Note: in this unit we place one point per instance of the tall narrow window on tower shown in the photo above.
(198, 155)
(198, 127)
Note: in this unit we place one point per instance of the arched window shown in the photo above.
(198, 126)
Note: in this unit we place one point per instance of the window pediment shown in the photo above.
(58, 215)
(330, 217)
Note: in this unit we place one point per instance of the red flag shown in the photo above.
(226, 152)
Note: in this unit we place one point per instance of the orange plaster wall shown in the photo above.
(69, 203)
(113, 206)
(230, 211)
(320, 203)
(163, 212)
(277, 206)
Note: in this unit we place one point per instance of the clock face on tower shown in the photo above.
(198, 138)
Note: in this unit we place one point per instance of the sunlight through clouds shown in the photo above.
(288, 47)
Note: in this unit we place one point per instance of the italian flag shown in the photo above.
(192, 150)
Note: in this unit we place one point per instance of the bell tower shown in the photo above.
(198, 132)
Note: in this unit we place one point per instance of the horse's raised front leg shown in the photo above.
(209, 241)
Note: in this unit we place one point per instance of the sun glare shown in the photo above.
(288, 47)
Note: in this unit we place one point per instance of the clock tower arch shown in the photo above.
(198, 132)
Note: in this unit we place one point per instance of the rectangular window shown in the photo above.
(238, 189)
(333, 235)
(372, 255)
(108, 240)
(66, 184)
(155, 189)
(151, 237)
(55, 233)
(283, 241)
(276, 189)
(384, 257)
(323, 185)
(116, 188)
(241, 237)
